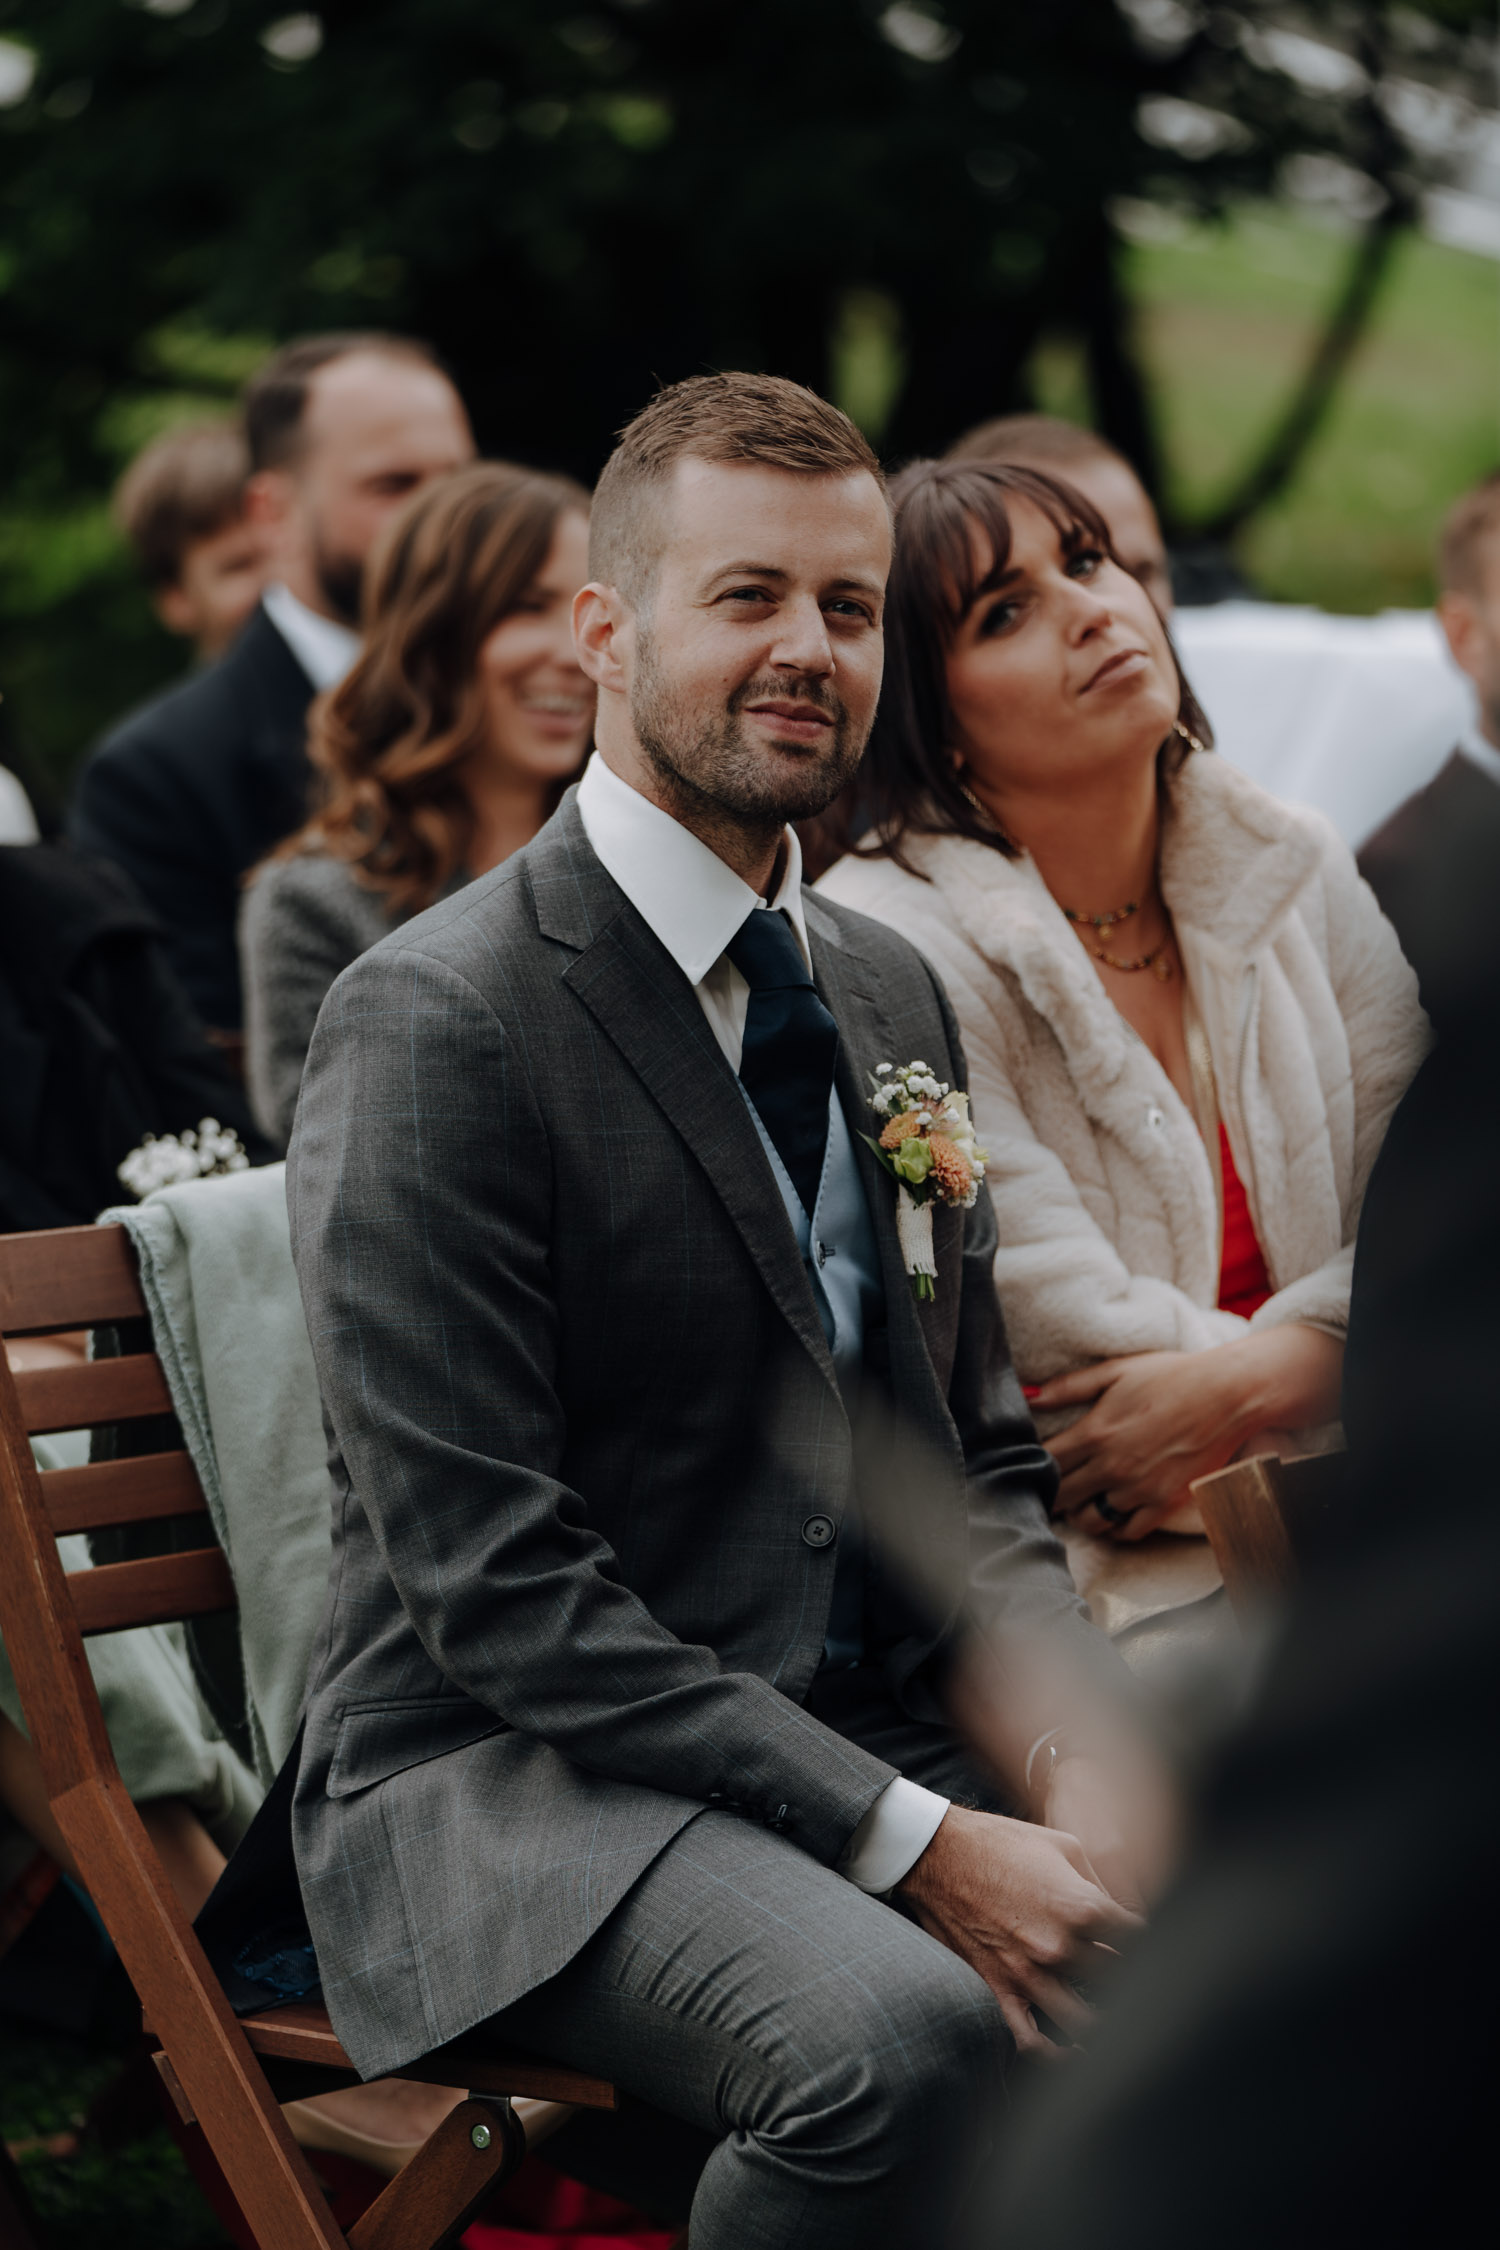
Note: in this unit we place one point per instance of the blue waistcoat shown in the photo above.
(841, 1258)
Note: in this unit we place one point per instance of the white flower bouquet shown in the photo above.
(162, 1160)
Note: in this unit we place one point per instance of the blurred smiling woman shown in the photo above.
(1187, 1022)
(443, 751)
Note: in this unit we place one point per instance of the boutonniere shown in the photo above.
(927, 1145)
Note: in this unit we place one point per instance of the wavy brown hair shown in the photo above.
(390, 743)
(908, 784)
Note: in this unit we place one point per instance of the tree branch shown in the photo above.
(1282, 454)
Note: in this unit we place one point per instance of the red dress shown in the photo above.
(1244, 1283)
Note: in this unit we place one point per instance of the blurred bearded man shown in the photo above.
(620, 1735)
(190, 792)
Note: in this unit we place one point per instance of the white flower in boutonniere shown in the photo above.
(927, 1145)
(163, 1160)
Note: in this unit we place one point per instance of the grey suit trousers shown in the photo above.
(835, 2068)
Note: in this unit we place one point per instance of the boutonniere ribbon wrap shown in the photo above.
(927, 1145)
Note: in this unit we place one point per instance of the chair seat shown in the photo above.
(300, 2032)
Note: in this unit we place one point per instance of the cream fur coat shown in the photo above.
(1109, 1229)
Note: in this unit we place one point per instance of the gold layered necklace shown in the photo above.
(1158, 960)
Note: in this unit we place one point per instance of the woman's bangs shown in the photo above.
(970, 509)
(973, 519)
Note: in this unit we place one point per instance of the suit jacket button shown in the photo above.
(819, 1531)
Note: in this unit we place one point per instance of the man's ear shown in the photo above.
(177, 611)
(602, 627)
(1460, 622)
(270, 499)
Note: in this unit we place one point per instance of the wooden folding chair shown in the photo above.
(1264, 1516)
(226, 2076)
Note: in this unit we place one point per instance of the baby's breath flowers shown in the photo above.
(927, 1145)
(162, 1160)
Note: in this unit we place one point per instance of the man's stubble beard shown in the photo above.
(341, 581)
(710, 767)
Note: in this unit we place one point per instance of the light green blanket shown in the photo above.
(226, 1317)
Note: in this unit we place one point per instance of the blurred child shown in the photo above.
(181, 504)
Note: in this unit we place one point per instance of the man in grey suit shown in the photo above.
(618, 1729)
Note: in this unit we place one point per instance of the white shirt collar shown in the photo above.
(682, 891)
(1480, 752)
(324, 648)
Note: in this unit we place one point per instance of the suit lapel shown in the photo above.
(846, 982)
(644, 1004)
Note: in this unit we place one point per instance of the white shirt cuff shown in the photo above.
(892, 1837)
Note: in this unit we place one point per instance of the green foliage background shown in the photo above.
(911, 206)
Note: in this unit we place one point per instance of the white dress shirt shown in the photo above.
(1480, 751)
(324, 648)
(17, 820)
(690, 899)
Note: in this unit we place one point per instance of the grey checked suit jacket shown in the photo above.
(580, 1408)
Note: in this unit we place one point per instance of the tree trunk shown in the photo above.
(1121, 402)
(1284, 450)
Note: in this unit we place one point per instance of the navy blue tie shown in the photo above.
(791, 1046)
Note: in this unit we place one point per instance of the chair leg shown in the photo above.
(208, 2177)
(426, 2207)
(19, 2229)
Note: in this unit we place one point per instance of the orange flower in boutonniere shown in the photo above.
(927, 1145)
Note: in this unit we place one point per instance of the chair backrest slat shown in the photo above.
(96, 1390)
(107, 1493)
(67, 1277)
(157, 1590)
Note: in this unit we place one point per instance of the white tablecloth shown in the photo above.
(1350, 714)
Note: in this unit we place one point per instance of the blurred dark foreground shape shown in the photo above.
(1303, 2047)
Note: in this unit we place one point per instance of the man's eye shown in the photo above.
(844, 606)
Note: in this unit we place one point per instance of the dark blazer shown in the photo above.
(98, 1045)
(587, 1439)
(188, 793)
(1435, 868)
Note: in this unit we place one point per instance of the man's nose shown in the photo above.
(802, 643)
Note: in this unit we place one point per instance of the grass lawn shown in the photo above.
(137, 2196)
(1227, 315)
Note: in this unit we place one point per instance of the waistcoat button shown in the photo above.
(818, 1531)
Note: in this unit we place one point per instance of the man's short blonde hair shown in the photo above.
(1470, 523)
(718, 418)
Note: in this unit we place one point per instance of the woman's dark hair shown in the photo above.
(390, 743)
(908, 784)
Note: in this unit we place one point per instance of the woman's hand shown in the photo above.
(1159, 1420)
(1126, 1841)
(1024, 1907)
